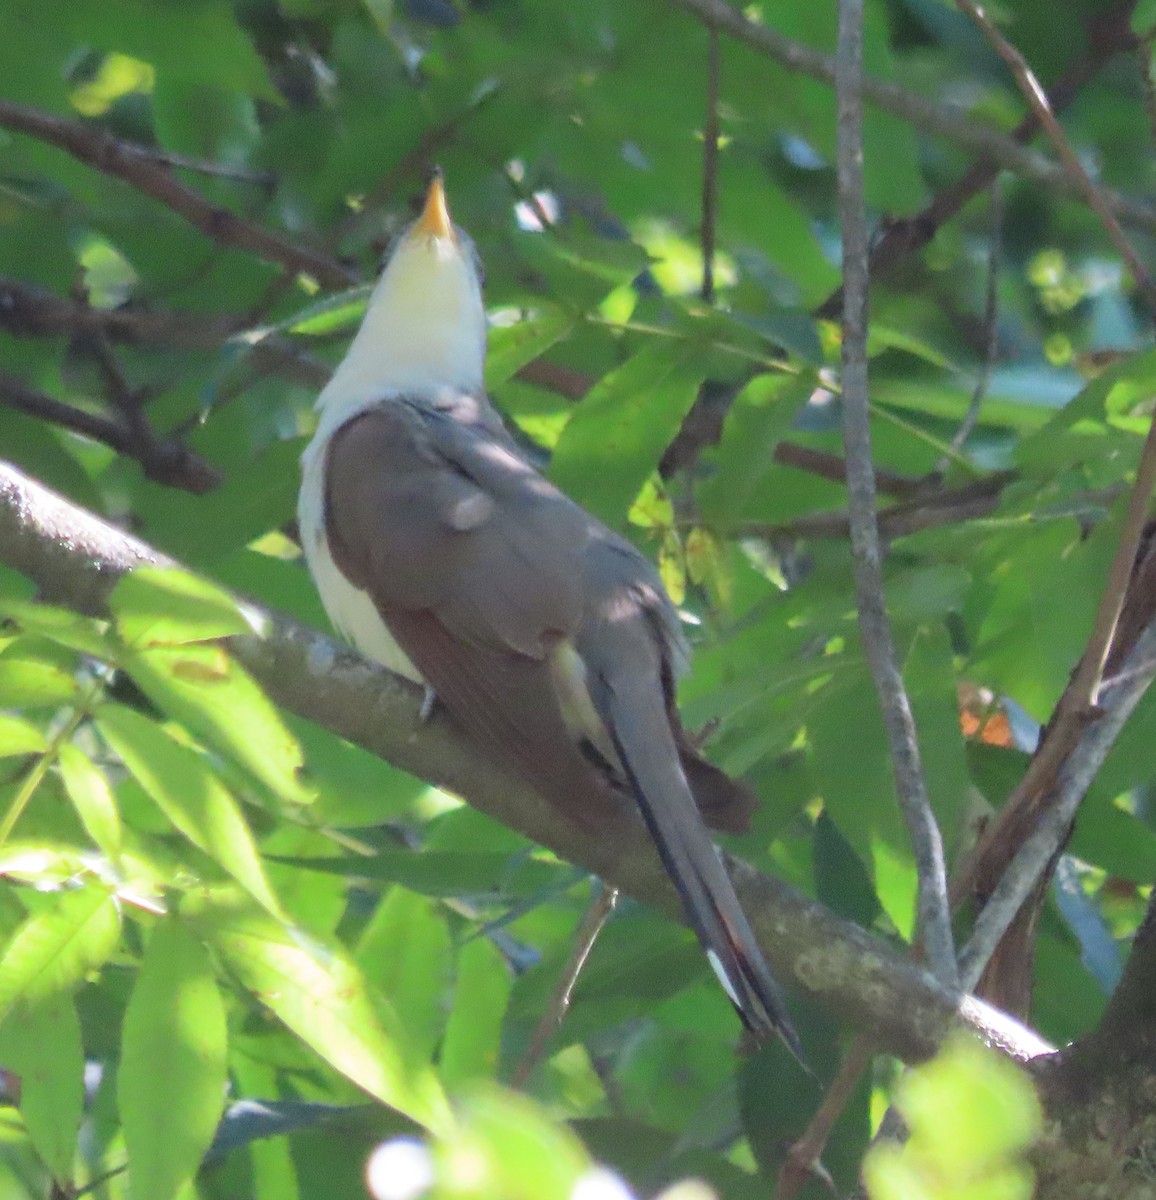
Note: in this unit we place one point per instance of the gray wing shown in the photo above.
(547, 637)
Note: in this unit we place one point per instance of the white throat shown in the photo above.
(424, 330)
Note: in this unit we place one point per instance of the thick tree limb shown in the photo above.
(74, 558)
(97, 148)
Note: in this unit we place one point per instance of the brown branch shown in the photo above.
(30, 311)
(162, 459)
(1037, 98)
(97, 148)
(804, 1158)
(990, 332)
(951, 506)
(596, 915)
(75, 559)
(934, 916)
(1077, 705)
(1108, 33)
(997, 148)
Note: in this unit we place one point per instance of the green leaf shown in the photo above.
(513, 1150)
(206, 689)
(336, 312)
(321, 996)
(618, 433)
(758, 420)
(92, 798)
(511, 347)
(406, 953)
(172, 1075)
(33, 679)
(18, 736)
(188, 792)
(62, 626)
(165, 606)
(473, 1038)
(40, 1043)
(53, 951)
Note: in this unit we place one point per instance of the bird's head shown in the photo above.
(425, 326)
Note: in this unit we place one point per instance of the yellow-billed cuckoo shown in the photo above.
(440, 552)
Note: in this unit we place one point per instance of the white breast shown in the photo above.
(350, 609)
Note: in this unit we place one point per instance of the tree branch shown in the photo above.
(97, 148)
(162, 459)
(1037, 99)
(934, 925)
(1109, 33)
(75, 559)
(987, 143)
(30, 311)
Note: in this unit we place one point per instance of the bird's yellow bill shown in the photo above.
(435, 215)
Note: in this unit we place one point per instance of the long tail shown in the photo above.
(641, 734)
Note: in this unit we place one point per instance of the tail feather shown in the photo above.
(694, 864)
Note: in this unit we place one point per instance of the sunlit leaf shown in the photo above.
(187, 790)
(321, 996)
(208, 690)
(40, 1043)
(53, 951)
(165, 606)
(474, 1033)
(171, 1081)
(92, 797)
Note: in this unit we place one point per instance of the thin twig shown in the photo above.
(981, 140)
(162, 459)
(710, 136)
(181, 162)
(96, 147)
(1093, 196)
(30, 311)
(1082, 765)
(1080, 700)
(584, 938)
(1109, 32)
(970, 502)
(990, 329)
(934, 914)
(804, 1157)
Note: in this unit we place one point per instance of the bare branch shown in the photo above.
(97, 148)
(1079, 703)
(75, 559)
(1120, 698)
(1109, 32)
(596, 915)
(997, 148)
(1095, 197)
(162, 459)
(990, 330)
(30, 311)
(927, 843)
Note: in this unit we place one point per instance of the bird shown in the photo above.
(442, 553)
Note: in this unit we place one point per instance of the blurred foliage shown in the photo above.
(196, 989)
(971, 1115)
